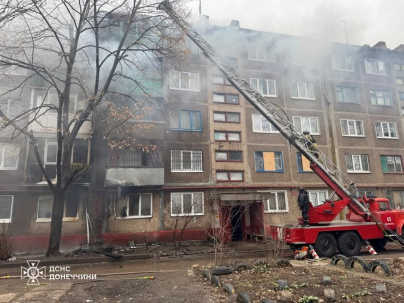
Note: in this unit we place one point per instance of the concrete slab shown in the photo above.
(6, 298)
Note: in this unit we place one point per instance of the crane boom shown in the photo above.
(324, 167)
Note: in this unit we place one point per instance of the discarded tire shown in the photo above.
(244, 298)
(216, 281)
(267, 301)
(375, 263)
(337, 258)
(228, 288)
(207, 274)
(241, 266)
(355, 259)
(222, 270)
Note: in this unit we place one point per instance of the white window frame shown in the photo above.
(51, 206)
(11, 210)
(178, 85)
(351, 92)
(356, 128)
(299, 93)
(195, 154)
(139, 216)
(267, 209)
(229, 174)
(317, 194)
(260, 53)
(261, 119)
(375, 91)
(353, 157)
(393, 162)
(47, 144)
(335, 61)
(381, 67)
(387, 124)
(259, 88)
(193, 213)
(311, 119)
(3, 148)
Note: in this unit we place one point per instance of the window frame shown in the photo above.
(253, 53)
(182, 214)
(228, 152)
(318, 133)
(47, 144)
(351, 88)
(191, 113)
(65, 219)
(361, 164)
(3, 149)
(272, 128)
(317, 192)
(189, 82)
(225, 97)
(226, 117)
(229, 173)
(298, 90)
(356, 130)
(258, 86)
(194, 153)
(394, 163)
(400, 95)
(299, 163)
(371, 71)
(388, 126)
(9, 220)
(277, 210)
(373, 100)
(222, 77)
(227, 135)
(127, 202)
(399, 81)
(276, 153)
(335, 60)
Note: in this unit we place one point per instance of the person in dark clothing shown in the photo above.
(303, 201)
(311, 143)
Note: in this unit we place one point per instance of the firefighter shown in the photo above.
(303, 201)
(311, 142)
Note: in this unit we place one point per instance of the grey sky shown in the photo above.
(367, 21)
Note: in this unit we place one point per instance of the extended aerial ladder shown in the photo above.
(324, 167)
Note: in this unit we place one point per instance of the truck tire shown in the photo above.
(378, 244)
(349, 243)
(326, 245)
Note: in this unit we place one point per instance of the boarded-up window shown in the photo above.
(268, 161)
(303, 164)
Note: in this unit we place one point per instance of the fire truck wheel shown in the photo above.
(326, 245)
(378, 244)
(349, 244)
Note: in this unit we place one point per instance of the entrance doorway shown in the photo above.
(236, 223)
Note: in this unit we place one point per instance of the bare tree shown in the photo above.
(99, 50)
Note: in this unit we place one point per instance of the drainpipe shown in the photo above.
(161, 214)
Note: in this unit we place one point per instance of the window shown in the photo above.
(186, 120)
(233, 176)
(376, 67)
(398, 66)
(265, 87)
(303, 164)
(51, 149)
(228, 156)
(347, 94)
(44, 208)
(386, 130)
(401, 96)
(232, 61)
(183, 204)
(302, 90)
(130, 158)
(53, 98)
(9, 154)
(400, 81)
(220, 79)
(380, 97)
(259, 53)
(5, 106)
(184, 81)
(402, 111)
(80, 151)
(268, 161)
(396, 199)
(228, 117)
(135, 206)
(186, 161)
(352, 128)
(227, 136)
(357, 163)
(6, 208)
(307, 124)
(277, 202)
(222, 98)
(317, 197)
(342, 63)
(391, 164)
(262, 125)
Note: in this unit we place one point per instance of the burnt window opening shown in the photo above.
(80, 151)
(44, 207)
(134, 158)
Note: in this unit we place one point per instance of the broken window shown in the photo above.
(6, 208)
(44, 208)
(376, 67)
(135, 206)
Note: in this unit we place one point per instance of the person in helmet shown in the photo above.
(303, 201)
(311, 142)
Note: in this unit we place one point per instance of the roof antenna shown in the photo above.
(346, 33)
(200, 7)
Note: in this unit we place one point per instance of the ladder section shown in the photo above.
(330, 173)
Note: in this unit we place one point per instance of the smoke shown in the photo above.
(367, 22)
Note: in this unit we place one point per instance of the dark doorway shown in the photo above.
(236, 223)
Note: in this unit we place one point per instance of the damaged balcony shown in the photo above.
(134, 168)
